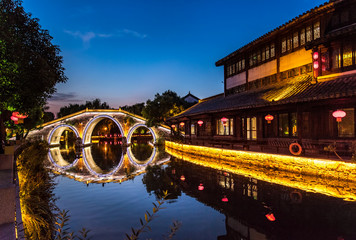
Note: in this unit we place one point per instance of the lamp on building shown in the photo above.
(339, 114)
(182, 178)
(182, 124)
(269, 118)
(173, 126)
(224, 199)
(224, 120)
(200, 123)
(316, 64)
(15, 119)
(270, 217)
(19, 116)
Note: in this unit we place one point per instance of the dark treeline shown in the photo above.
(73, 108)
(156, 111)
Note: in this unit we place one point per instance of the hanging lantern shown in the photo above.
(270, 217)
(182, 124)
(339, 114)
(224, 120)
(200, 123)
(182, 178)
(269, 118)
(19, 116)
(201, 187)
(173, 126)
(224, 199)
(15, 119)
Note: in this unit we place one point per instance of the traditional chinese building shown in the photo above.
(293, 84)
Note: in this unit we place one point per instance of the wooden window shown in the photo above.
(192, 129)
(302, 37)
(347, 55)
(243, 64)
(251, 62)
(259, 56)
(263, 56)
(251, 128)
(316, 30)
(346, 128)
(272, 50)
(289, 43)
(295, 40)
(284, 45)
(267, 52)
(309, 33)
(226, 128)
(233, 68)
(283, 125)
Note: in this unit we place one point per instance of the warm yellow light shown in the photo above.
(332, 178)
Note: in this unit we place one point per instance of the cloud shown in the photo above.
(132, 33)
(88, 36)
(65, 97)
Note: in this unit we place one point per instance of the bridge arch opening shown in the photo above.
(102, 127)
(141, 130)
(55, 136)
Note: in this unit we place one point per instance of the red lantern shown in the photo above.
(19, 117)
(224, 199)
(224, 120)
(315, 55)
(15, 119)
(201, 187)
(339, 114)
(182, 178)
(316, 65)
(200, 122)
(270, 217)
(182, 124)
(269, 118)
(173, 126)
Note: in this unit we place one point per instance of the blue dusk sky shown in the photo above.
(126, 51)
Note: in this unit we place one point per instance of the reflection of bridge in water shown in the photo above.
(86, 167)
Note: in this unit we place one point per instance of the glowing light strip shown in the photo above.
(61, 167)
(131, 157)
(98, 174)
(137, 126)
(98, 117)
(62, 126)
(327, 177)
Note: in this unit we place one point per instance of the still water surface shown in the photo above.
(209, 203)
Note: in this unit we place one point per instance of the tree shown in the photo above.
(135, 109)
(73, 108)
(162, 107)
(31, 63)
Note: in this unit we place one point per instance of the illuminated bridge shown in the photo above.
(84, 122)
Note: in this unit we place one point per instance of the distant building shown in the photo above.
(286, 86)
(190, 98)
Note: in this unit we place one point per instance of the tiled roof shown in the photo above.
(296, 90)
(295, 20)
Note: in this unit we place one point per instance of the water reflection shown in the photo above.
(256, 209)
(106, 159)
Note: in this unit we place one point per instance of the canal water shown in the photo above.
(107, 188)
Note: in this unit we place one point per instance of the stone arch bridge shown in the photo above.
(83, 123)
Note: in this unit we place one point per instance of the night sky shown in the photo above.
(126, 51)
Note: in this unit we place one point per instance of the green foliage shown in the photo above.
(134, 235)
(135, 109)
(36, 66)
(73, 108)
(30, 65)
(62, 230)
(36, 191)
(162, 107)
